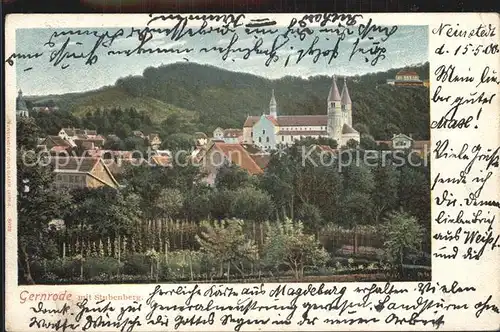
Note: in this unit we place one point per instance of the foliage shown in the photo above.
(403, 236)
(287, 244)
(225, 242)
(38, 202)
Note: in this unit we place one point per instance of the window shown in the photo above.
(260, 139)
(282, 138)
(251, 134)
(267, 139)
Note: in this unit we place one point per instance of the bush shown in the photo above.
(104, 267)
(136, 264)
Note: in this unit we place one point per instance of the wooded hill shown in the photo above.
(210, 97)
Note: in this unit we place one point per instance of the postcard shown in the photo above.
(252, 172)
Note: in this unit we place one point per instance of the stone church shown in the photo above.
(269, 131)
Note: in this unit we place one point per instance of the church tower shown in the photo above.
(273, 106)
(21, 108)
(335, 123)
(346, 104)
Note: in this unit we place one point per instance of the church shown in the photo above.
(269, 131)
(21, 108)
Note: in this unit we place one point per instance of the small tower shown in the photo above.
(346, 104)
(273, 106)
(21, 108)
(334, 128)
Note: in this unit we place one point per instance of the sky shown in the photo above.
(407, 46)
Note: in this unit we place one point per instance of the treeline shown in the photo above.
(221, 98)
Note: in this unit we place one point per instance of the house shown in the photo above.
(269, 131)
(201, 139)
(220, 154)
(85, 142)
(71, 134)
(232, 136)
(154, 141)
(406, 77)
(82, 172)
(401, 142)
(55, 144)
(138, 133)
(218, 134)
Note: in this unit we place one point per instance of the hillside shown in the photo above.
(213, 97)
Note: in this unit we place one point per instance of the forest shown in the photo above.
(296, 222)
(189, 97)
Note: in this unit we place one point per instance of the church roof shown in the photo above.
(346, 129)
(291, 120)
(346, 99)
(302, 120)
(20, 102)
(334, 94)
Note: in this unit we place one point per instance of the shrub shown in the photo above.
(100, 266)
(136, 264)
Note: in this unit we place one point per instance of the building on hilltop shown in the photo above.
(21, 107)
(269, 131)
(407, 77)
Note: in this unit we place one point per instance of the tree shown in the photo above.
(225, 242)
(386, 190)
(231, 177)
(286, 244)
(38, 202)
(170, 203)
(403, 236)
(251, 204)
(310, 215)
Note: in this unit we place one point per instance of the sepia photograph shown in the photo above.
(196, 160)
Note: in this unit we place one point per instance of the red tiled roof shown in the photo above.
(292, 120)
(228, 133)
(302, 132)
(303, 120)
(58, 141)
(250, 121)
(76, 164)
(239, 156)
(421, 144)
(272, 119)
(407, 72)
(262, 160)
(327, 148)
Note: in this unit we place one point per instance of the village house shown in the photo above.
(406, 142)
(54, 144)
(154, 141)
(270, 131)
(231, 136)
(220, 154)
(82, 172)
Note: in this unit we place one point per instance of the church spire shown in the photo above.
(334, 91)
(273, 105)
(346, 99)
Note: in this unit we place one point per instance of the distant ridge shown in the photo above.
(216, 97)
